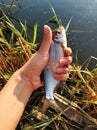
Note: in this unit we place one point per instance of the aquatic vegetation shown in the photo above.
(77, 96)
(15, 46)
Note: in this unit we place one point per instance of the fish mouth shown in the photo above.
(59, 35)
(60, 28)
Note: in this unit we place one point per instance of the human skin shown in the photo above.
(18, 89)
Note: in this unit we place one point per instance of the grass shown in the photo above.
(78, 92)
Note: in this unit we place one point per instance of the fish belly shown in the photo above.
(56, 52)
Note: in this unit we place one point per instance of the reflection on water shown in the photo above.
(83, 26)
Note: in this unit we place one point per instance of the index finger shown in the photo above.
(67, 51)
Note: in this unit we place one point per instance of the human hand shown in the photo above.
(63, 68)
(34, 67)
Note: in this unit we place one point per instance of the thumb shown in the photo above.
(47, 40)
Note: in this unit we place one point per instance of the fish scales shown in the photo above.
(56, 52)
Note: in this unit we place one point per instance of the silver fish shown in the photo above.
(56, 51)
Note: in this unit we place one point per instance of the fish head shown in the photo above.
(60, 36)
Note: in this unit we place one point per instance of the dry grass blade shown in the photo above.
(79, 91)
(15, 50)
(63, 99)
(82, 78)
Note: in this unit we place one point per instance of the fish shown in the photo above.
(56, 52)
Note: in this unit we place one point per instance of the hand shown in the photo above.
(33, 68)
(62, 71)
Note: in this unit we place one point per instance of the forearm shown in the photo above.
(13, 99)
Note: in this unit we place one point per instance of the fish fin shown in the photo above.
(46, 105)
(49, 103)
(54, 104)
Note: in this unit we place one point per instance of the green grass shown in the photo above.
(79, 91)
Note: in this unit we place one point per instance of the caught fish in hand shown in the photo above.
(56, 52)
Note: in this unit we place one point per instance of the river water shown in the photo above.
(82, 37)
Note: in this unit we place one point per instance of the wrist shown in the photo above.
(20, 76)
(21, 86)
(14, 96)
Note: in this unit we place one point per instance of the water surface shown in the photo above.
(83, 29)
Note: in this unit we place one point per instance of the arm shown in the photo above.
(13, 99)
(15, 94)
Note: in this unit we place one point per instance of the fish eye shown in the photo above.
(58, 32)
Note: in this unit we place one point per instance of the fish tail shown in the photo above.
(49, 103)
(46, 105)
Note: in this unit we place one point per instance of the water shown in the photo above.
(83, 29)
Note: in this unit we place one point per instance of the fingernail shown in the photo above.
(46, 29)
(63, 60)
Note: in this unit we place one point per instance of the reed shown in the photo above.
(78, 92)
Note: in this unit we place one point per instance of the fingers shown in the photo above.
(62, 70)
(65, 61)
(61, 73)
(47, 40)
(67, 51)
(61, 76)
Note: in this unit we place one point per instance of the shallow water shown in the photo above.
(83, 29)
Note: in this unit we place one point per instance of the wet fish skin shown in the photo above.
(56, 52)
